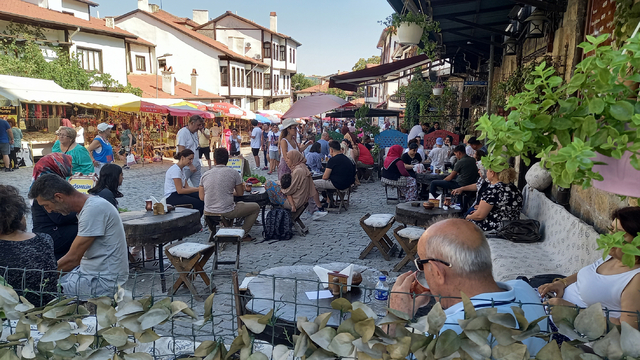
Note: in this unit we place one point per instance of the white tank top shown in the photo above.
(289, 147)
(588, 289)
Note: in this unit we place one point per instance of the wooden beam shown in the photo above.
(480, 26)
(473, 38)
(541, 4)
(473, 12)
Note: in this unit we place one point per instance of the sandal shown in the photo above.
(248, 238)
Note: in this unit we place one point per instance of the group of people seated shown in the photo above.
(80, 235)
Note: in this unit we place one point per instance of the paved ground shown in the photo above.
(334, 238)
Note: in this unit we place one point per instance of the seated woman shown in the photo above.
(610, 282)
(66, 144)
(294, 192)
(395, 169)
(176, 189)
(412, 157)
(499, 202)
(24, 250)
(314, 159)
(62, 228)
(107, 187)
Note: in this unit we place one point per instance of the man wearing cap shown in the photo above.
(100, 149)
(438, 155)
(187, 138)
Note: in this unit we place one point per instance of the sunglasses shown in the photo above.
(420, 263)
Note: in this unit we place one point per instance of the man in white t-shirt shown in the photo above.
(98, 260)
(274, 153)
(187, 138)
(256, 142)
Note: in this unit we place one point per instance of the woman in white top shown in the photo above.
(176, 189)
(288, 134)
(608, 281)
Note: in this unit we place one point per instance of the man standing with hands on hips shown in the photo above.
(187, 138)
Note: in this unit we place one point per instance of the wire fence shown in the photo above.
(297, 293)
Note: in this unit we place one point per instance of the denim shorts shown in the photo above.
(5, 149)
(274, 155)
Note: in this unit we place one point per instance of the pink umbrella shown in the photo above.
(313, 105)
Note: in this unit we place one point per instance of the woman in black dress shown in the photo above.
(27, 261)
(107, 187)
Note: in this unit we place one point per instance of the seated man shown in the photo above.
(217, 188)
(97, 261)
(438, 155)
(340, 172)
(470, 273)
(465, 169)
(476, 145)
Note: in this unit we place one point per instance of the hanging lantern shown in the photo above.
(510, 46)
(536, 24)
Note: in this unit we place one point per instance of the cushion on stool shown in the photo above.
(411, 233)
(378, 220)
(187, 250)
(230, 232)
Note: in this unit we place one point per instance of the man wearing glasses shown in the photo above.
(455, 257)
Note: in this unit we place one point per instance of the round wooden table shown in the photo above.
(289, 300)
(143, 228)
(418, 215)
(427, 178)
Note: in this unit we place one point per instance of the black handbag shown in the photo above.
(520, 231)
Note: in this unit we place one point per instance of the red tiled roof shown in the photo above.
(175, 22)
(318, 88)
(229, 13)
(182, 91)
(22, 11)
(141, 41)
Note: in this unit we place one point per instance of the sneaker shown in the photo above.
(8, 169)
(265, 168)
(318, 214)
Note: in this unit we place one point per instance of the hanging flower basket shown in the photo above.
(437, 91)
(619, 176)
(409, 33)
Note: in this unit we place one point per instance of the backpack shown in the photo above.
(278, 225)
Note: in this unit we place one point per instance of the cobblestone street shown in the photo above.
(333, 238)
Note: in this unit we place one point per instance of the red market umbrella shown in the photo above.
(313, 105)
(227, 109)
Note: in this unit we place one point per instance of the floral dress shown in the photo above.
(506, 200)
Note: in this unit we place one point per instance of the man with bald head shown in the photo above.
(455, 257)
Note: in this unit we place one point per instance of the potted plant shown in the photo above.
(438, 89)
(583, 130)
(413, 29)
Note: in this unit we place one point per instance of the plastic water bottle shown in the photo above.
(381, 293)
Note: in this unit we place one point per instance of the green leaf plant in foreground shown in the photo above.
(566, 123)
(485, 333)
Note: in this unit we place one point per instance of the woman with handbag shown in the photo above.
(499, 202)
(395, 174)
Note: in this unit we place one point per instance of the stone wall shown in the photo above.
(595, 206)
(280, 104)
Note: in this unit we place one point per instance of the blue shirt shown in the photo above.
(314, 161)
(516, 291)
(324, 147)
(4, 136)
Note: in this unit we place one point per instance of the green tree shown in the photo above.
(362, 62)
(299, 81)
(21, 55)
(337, 92)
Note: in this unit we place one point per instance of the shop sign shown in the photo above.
(399, 98)
(8, 110)
(82, 183)
(236, 163)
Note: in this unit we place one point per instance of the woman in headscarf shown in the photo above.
(395, 172)
(299, 190)
(62, 228)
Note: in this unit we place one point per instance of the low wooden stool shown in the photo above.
(300, 227)
(408, 239)
(213, 221)
(189, 259)
(376, 227)
(342, 198)
(227, 235)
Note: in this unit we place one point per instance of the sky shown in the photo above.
(334, 33)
